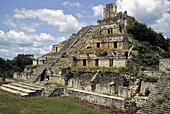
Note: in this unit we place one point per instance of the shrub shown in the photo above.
(160, 100)
(153, 104)
(150, 79)
(147, 92)
(125, 82)
(31, 66)
(116, 91)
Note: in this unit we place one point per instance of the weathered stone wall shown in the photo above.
(154, 73)
(57, 92)
(110, 10)
(78, 84)
(74, 83)
(96, 98)
(164, 64)
(105, 89)
(124, 92)
(57, 79)
(89, 62)
(104, 62)
(147, 85)
(21, 76)
(120, 62)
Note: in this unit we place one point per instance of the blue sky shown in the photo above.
(33, 26)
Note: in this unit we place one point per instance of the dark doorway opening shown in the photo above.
(109, 32)
(126, 54)
(98, 45)
(115, 44)
(111, 62)
(96, 62)
(56, 49)
(84, 62)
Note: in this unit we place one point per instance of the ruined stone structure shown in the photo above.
(164, 64)
(103, 45)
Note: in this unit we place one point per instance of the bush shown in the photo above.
(142, 32)
(125, 82)
(160, 100)
(31, 66)
(150, 79)
(147, 92)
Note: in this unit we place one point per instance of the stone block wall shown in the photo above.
(88, 87)
(104, 63)
(124, 92)
(120, 62)
(96, 98)
(164, 64)
(105, 89)
(154, 73)
(78, 84)
(21, 76)
(57, 79)
(147, 85)
(57, 92)
(74, 83)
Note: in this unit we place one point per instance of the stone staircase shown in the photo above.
(95, 76)
(23, 89)
(39, 71)
(159, 100)
(47, 92)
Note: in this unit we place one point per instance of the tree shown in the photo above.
(8, 67)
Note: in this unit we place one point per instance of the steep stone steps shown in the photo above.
(38, 91)
(29, 92)
(32, 85)
(47, 92)
(18, 93)
(153, 104)
(23, 89)
(36, 75)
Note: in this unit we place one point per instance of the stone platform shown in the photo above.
(22, 89)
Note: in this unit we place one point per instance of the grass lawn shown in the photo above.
(10, 104)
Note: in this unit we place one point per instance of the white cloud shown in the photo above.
(69, 4)
(28, 28)
(152, 12)
(18, 26)
(66, 23)
(25, 43)
(79, 15)
(10, 23)
(98, 10)
(12, 52)
(23, 39)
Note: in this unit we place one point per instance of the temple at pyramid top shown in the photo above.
(110, 10)
(111, 16)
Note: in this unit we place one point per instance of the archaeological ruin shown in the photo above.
(105, 45)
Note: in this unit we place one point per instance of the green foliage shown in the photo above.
(8, 67)
(142, 32)
(146, 60)
(147, 92)
(116, 91)
(151, 45)
(16, 105)
(125, 82)
(131, 69)
(160, 100)
(150, 79)
(23, 60)
(31, 66)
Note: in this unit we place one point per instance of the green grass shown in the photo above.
(10, 104)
